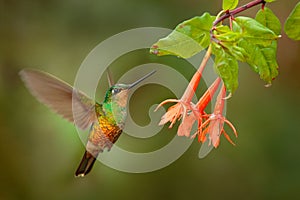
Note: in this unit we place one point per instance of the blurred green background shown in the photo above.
(39, 151)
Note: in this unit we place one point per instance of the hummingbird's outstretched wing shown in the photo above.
(58, 95)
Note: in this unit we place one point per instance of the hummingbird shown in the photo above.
(105, 120)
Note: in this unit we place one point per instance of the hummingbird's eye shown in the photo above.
(116, 90)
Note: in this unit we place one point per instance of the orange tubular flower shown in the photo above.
(184, 107)
(214, 125)
(198, 111)
(211, 125)
(200, 106)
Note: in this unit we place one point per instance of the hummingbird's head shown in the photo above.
(119, 92)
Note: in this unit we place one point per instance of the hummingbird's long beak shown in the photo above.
(141, 79)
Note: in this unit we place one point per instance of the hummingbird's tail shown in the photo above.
(85, 165)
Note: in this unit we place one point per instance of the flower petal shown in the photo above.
(173, 113)
(215, 129)
(164, 102)
(186, 125)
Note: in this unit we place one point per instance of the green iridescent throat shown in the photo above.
(115, 113)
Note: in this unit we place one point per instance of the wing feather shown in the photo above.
(58, 95)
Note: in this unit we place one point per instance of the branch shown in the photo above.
(231, 13)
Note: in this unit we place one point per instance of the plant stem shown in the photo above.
(231, 13)
(238, 10)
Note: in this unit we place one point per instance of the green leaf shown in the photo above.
(261, 57)
(268, 1)
(229, 4)
(250, 41)
(267, 18)
(228, 40)
(224, 34)
(226, 67)
(269, 54)
(256, 45)
(236, 51)
(254, 31)
(262, 60)
(188, 38)
(244, 28)
(292, 24)
(177, 44)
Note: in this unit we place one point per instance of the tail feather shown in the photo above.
(85, 165)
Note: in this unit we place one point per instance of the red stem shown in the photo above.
(238, 10)
(231, 13)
